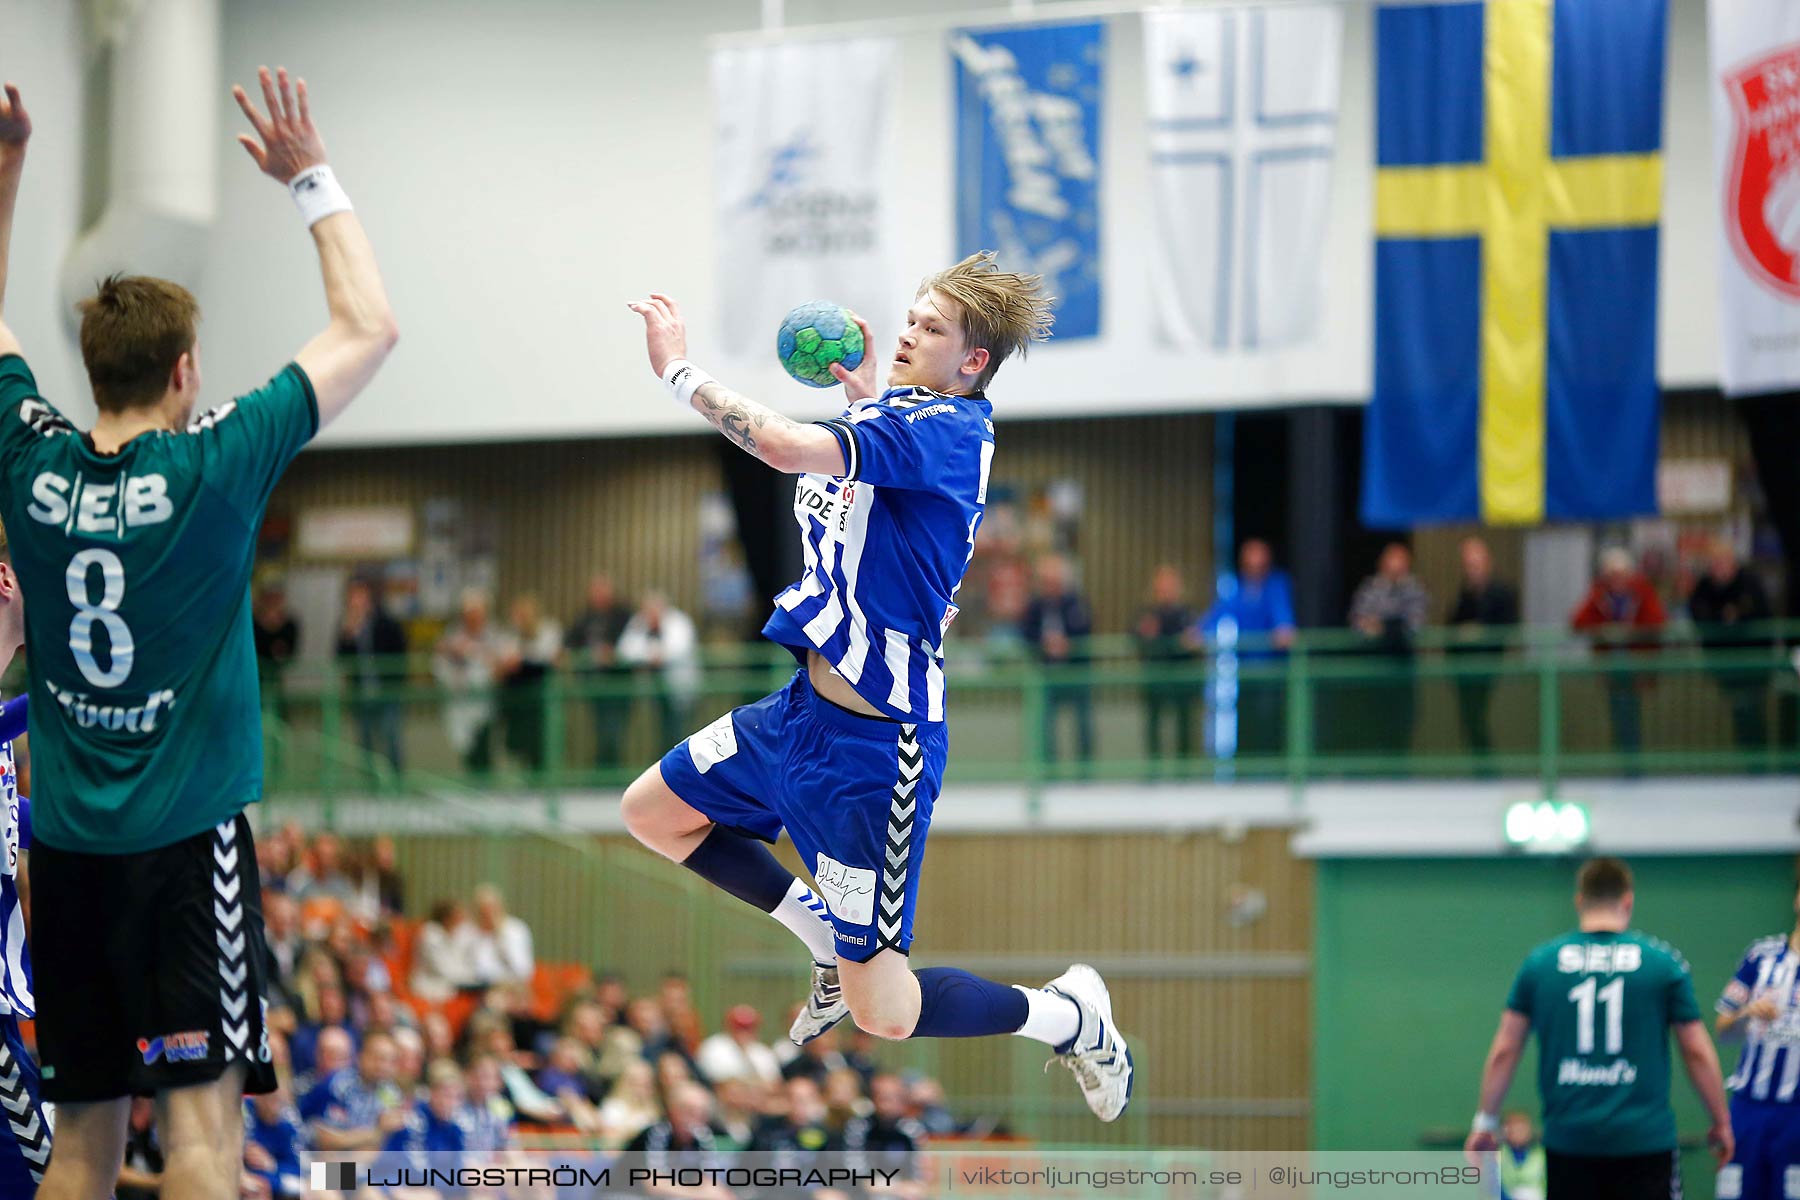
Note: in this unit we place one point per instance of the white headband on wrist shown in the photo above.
(683, 379)
(318, 194)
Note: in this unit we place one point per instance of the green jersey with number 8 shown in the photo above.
(1601, 1004)
(146, 723)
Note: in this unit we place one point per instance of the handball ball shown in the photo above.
(815, 335)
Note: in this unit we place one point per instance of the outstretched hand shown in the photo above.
(859, 384)
(15, 125)
(665, 333)
(286, 143)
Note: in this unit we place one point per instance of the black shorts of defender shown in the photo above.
(149, 969)
(1591, 1177)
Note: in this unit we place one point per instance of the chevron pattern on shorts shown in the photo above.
(891, 902)
(231, 935)
(29, 1130)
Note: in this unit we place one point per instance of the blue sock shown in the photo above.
(954, 1003)
(741, 866)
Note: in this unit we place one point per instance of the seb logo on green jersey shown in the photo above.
(99, 507)
(1599, 958)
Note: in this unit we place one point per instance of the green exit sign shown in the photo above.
(1547, 826)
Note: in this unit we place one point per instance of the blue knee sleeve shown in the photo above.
(954, 1003)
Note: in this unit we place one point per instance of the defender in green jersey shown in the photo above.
(133, 543)
(1602, 1001)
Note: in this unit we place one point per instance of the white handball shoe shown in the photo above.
(824, 1008)
(1098, 1057)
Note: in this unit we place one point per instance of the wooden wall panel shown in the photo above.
(630, 506)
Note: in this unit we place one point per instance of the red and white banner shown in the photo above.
(1756, 146)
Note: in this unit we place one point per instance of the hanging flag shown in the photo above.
(1756, 144)
(1518, 190)
(1028, 158)
(1243, 114)
(806, 135)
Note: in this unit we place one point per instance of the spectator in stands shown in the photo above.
(380, 892)
(356, 1108)
(738, 1110)
(467, 663)
(672, 1068)
(371, 651)
(676, 997)
(564, 1077)
(490, 1034)
(281, 933)
(686, 1133)
(1057, 625)
(1481, 620)
(140, 1174)
(531, 647)
(585, 1021)
(886, 1136)
(1167, 645)
(858, 1046)
(630, 1107)
(593, 645)
(801, 1130)
(734, 1052)
(1622, 612)
(497, 945)
(1254, 617)
(1388, 610)
(844, 1097)
(1726, 603)
(610, 994)
(440, 1037)
(816, 1060)
(322, 877)
(277, 636)
(274, 1138)
(328, 1051)
(330, 1011)
(488, 1114)
(925, 1096)
(409, 1053)
(660, 639)
(433, 1134)
(1524, 1167)
(440, 954)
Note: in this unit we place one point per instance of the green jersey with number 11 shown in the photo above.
(1601, 1005)
(146, 724)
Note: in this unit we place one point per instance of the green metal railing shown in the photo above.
(1333, 705)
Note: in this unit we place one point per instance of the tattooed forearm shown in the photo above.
(740, 418)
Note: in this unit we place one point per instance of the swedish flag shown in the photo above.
(1518, 188)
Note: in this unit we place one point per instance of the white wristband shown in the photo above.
(683, 379)
(1485, 1123)
(317, 194)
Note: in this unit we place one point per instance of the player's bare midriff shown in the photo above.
(834, 687)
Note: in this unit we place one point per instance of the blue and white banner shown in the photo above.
(1243, 115)
(1028, 158)
(806, 149)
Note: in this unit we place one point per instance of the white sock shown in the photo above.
(1049, 1018)
(803, 912)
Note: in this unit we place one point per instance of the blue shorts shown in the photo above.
(24, 1124)
(855, 793)
(1767, 1163)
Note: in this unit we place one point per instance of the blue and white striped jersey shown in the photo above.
(15, 839)
(1770, 1066)
(887, 545)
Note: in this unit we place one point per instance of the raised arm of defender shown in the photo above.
(787, 445)
(15, 131)
(341, 360)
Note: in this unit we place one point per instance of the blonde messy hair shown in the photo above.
(1003, 312)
